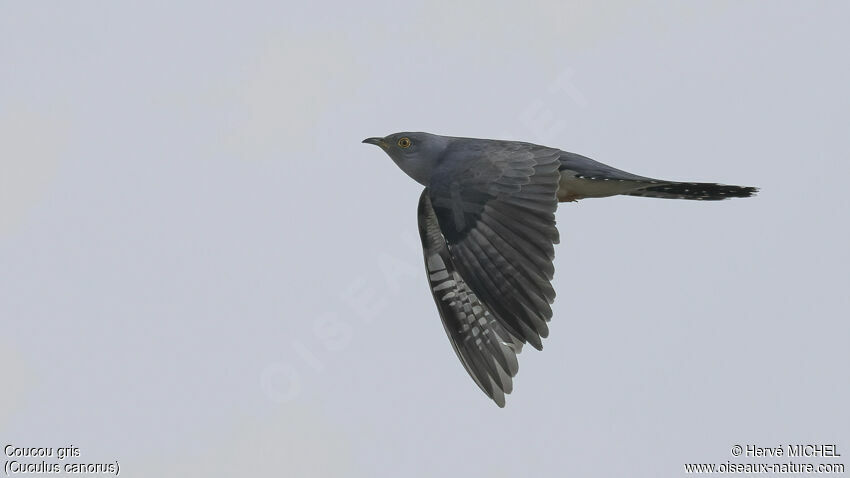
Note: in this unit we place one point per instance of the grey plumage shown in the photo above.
(487, 224)
(486, 349)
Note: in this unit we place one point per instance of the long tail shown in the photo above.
(697, 191)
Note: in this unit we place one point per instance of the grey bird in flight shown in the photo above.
(487, 224)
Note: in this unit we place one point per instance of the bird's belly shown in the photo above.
(571, 188)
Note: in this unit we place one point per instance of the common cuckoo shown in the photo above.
(487, 224)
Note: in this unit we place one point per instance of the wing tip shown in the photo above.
(499, 401)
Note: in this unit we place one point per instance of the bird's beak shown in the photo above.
(376, 141)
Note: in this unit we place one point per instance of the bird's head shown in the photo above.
(415, 153)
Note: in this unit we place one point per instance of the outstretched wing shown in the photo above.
(486, 349)
(495, 203)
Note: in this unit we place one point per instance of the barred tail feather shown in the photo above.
(696, 191)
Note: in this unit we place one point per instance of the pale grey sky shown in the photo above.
(206, 274)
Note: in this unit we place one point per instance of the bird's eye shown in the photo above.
(404, 143)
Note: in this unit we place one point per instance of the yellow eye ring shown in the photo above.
(404, 142)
